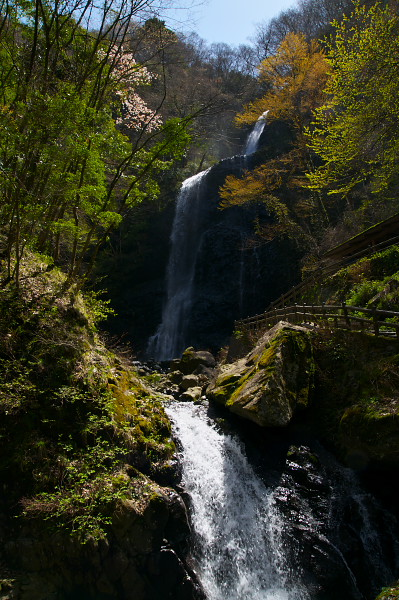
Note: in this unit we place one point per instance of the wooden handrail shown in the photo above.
(331, 316)
(328, 269)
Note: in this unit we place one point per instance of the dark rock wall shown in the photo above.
(233, 277)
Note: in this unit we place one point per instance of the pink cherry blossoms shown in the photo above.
(127, 76)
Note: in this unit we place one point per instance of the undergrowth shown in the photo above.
(79, 432)
(371, 282)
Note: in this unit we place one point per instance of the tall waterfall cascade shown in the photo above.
(254, 136)
(237, 530)
(168, 341)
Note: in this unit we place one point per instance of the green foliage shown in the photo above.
(78, 146)
(356, 130)
(370, 282)
(79, 433)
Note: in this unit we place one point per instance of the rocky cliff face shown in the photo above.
(138, 560)
(233, 277)
(87, 461)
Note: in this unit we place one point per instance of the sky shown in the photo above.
(229, 21)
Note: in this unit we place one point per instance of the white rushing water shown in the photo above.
(168, 341)
(237, 530)
(253, 138)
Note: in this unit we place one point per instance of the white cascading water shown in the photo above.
(238, 551)
(168, 341)
(253, 138)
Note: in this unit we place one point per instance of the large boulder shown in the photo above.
(194, 361)
(273, 381)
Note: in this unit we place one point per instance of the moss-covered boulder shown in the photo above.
(194, 361)
(389, 593)
(356, 406)
(272, 382)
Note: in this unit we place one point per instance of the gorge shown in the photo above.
(300, 529)
(154, 443)
(214, 274)
(310, 524)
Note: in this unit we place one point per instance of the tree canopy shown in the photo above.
(356, 131)
(294, 77)
(78, 144)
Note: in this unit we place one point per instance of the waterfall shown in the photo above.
(168, 341)
(252, 142)
(238, 550)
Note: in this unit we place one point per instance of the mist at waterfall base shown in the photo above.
(305, 531)
(196, 215)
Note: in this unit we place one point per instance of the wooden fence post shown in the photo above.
(375, 321)
(323, 312)
(346, 315)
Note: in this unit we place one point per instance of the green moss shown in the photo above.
(389, 593)
(273, 380)
(79, 432)
(225, 386)
(357, 405)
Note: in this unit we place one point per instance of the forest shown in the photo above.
(111, 112)
(105, 111)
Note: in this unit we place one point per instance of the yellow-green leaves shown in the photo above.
(356, 132)
(295, 77)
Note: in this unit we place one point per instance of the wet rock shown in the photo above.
(189, 381)
(273, 381)
(194, 361)
(328, 529)
(193, 394)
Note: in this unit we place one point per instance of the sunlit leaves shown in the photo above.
(295, 76)
(68, 99)
(356, 132)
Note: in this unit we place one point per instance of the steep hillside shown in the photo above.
(85, 454)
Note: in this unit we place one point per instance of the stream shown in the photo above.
(311, 536)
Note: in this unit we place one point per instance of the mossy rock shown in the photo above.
(389, 593)
(193, 361)
(369, 432)
(85, 455)
(272, 382)
(356, 403)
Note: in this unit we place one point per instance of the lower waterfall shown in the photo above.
(237, 549)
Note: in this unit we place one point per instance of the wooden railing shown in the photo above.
(324, 270)
(326, 316)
